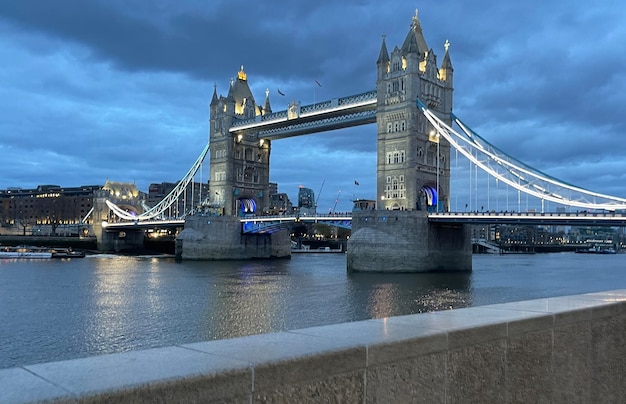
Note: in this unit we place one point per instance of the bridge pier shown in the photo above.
(404, 241)
(221, 238)
(118, 240)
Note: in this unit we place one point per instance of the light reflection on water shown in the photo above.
(54, 310)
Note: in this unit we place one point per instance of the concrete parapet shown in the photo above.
(221, 238)
(404, 241)
(559, 350)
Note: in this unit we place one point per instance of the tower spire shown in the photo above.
(445, 73)
(383, 56)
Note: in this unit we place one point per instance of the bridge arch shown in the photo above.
(247, 206)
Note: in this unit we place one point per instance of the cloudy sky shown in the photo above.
(117, 89)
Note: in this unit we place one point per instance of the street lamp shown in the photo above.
(435, 137)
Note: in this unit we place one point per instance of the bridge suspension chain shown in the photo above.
(169, 199)
(516, 174)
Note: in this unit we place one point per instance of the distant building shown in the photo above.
(126, 196)
(306, 201)
(280, 204)
(46, 209)
(364, 204)
(194, 196)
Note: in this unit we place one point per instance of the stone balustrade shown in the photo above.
(560, 350)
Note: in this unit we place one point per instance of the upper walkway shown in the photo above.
(338, 113)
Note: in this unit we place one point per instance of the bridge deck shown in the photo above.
(531, 218)
(254, 224)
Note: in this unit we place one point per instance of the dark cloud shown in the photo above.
(120, 90)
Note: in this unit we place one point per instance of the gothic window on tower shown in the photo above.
(220, 176)
(389, 127)
(395, 188)
(402, 125)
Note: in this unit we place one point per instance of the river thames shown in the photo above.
(62, 309)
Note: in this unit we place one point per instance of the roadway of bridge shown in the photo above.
(532, 218)
(257, 223)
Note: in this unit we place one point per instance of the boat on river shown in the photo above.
(66, 253)
(25, 252)
(39, 252)
(596, 250)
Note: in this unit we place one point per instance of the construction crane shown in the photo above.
(319, 193)
(336, 200)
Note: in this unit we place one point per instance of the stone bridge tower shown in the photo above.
(239, 164)
(409, 156)
(413, 169)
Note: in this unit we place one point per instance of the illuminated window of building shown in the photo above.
(403, 63)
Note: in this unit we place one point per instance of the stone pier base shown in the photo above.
(120, 240)
(220, 238)
(404, 241)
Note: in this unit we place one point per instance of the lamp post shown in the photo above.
(437, 172)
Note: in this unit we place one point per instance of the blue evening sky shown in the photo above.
(119, 90)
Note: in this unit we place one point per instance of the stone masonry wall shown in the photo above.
(404, 241)
(220, 238)
(558, 350)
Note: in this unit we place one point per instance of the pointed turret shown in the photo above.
(239, 93)
(383, 56)
(415, 42)
(445, 73)
(214, 100)
(267, 108)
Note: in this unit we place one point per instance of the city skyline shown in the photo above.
(102, 90)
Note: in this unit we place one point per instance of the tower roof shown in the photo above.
(267, 108)
(239, 89)
(447, 63)
(383, 56)
(414, 41)
(214, 100)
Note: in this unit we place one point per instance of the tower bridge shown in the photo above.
(411, 228)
